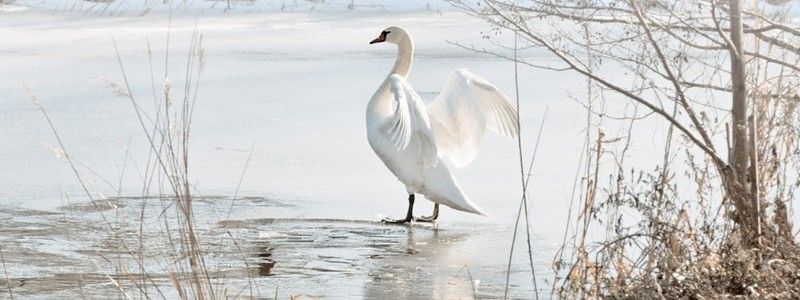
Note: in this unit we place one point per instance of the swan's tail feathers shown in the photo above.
(441, 187)
(464, 204)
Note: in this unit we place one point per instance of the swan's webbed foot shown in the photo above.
(409, 214)
(396, 221)
(432, 218)
(425, 219)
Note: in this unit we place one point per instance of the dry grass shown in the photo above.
(182, 270)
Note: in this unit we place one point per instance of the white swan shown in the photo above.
(412, 138)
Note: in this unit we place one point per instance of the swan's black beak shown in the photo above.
(380, 39)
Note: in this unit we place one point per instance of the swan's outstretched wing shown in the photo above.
(462, 112)
(409, 124)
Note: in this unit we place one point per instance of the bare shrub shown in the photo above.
(710, 219)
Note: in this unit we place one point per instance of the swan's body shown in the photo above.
(412, 138)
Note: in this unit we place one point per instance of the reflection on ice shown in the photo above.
(393, 260)
(265, 262)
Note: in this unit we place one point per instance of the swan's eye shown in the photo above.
(384, 33)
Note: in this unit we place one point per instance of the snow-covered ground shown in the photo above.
(292, 80)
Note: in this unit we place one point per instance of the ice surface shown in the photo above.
(295, 85)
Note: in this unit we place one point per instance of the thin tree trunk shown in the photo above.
(747, 205)
(739, 97)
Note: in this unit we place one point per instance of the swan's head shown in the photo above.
(393, 35)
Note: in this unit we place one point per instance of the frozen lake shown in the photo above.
(294, 86)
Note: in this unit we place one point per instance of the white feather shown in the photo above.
(409, 120)
(467, 106)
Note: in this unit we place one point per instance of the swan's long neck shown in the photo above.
(381, 104)
(405, 56)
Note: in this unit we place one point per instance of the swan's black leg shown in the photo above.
(431, 218)
(409, 215)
